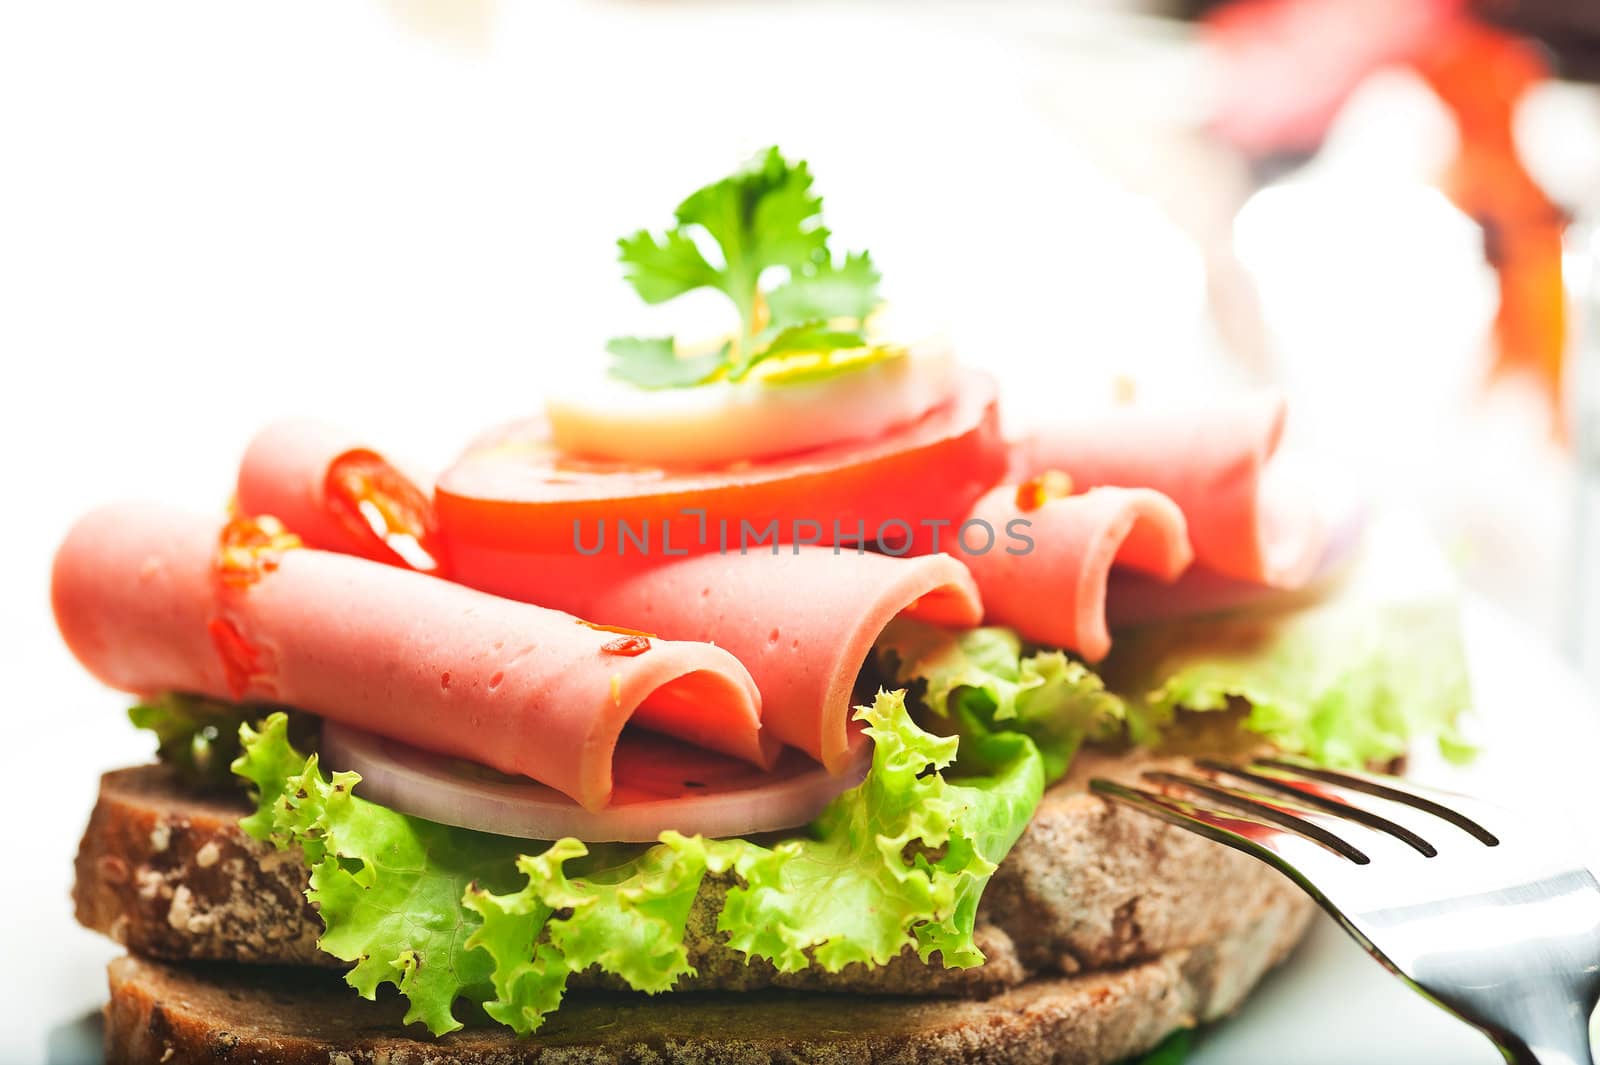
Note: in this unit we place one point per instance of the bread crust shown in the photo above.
(169, 874)
(1090, 885)
(174, 1016)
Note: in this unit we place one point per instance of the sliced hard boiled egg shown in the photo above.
(785, 405)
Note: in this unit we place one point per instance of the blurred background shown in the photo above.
(401, 215)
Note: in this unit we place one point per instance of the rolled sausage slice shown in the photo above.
(1136, 599)
(802, 621)
(146, 604)
(1048, 578)
(338, 495)
(1213, 461)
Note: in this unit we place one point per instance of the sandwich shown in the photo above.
(740, 706)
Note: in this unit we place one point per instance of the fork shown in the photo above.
(1468, 904)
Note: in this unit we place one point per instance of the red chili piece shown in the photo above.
(626, 646)
(1035, 492)
(241, 660)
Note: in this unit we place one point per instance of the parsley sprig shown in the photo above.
(765, 221)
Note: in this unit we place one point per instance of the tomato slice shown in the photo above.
(514, 493)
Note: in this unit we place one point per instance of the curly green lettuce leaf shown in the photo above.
(388, 887)
(1173, 1050)
(898, 861)
(442, 913)
(198, 737)
(625, 917)
(983, 681)
(1349, 680)
(764, 216)
(1344, 687)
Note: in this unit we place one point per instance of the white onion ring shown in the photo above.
(661, 785)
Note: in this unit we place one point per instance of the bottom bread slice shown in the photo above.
(178, 1015)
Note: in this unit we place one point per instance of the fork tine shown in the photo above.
(1325, 803)
(1384, 788)
(1282, 814)
(1242, 831)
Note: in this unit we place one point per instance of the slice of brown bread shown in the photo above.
(1089, 886)
(187, 1016)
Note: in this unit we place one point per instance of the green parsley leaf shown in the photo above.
(665, 267)
(763, 217)
(822, 291)
(807, 337)
(652, 362)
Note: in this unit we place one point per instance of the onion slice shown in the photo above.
(661, 784)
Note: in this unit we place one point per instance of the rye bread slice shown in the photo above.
(186, 1016)
(1089, 886)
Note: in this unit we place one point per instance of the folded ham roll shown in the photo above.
(1047, 579)
(1136, 599)
(146, 603)
(802, 621)
(337, 494)
(1212, 460)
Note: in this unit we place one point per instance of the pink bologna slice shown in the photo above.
(803, 623)
(1213, 461)
(802, 620)
(661, 785)
(142, 601)
(1047, 579)
(1134, 598)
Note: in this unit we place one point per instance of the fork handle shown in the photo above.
(1560, 1042)
(1545, 1055)
(1549, 1055)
